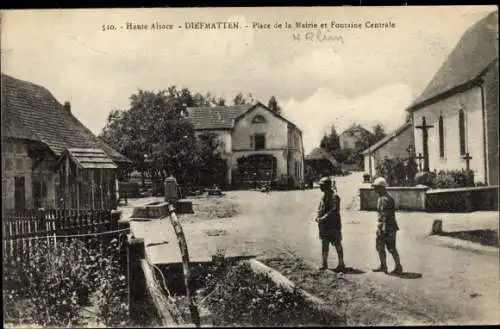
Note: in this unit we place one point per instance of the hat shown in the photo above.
(379, 181)
(325, 181)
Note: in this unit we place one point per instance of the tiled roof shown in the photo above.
(354, 129)
(224, 117)
(321, 154)
(30, 111)
(474, 53)
(217, 117)
(90, 158)
(387, 138)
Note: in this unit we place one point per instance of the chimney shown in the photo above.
(67, 107)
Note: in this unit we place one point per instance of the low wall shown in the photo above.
(405, 198)
(462, 199)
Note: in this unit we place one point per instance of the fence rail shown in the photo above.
(21, 229)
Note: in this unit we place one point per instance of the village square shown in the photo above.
(184, 207)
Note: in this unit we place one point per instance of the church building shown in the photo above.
(455, 119)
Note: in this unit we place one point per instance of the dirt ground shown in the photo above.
(440, 285)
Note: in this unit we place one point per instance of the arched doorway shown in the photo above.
(257, 168)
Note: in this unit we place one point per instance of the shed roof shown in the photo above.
(90, 158)
(471, 57)
(387, 138)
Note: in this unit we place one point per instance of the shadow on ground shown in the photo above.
(407, 275)
(351, 270)
(485, 237)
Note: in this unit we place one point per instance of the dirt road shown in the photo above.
(447, 285)
(441, 284)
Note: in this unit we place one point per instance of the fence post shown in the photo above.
(136, 283)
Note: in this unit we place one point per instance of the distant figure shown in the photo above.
(387, 227)
(329, 223)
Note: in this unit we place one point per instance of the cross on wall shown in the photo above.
(467, 159)
(425, 127)
(420, 157)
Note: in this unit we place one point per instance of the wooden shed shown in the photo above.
(87, 179)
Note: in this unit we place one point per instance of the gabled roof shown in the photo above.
(387, 138)
(224, 117)
(471, 57)
(217, 117)
(321, 154)
(89, 158)
(30, 111)
(354, 129)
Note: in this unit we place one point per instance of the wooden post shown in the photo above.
(181, 239)
(67, 201)
(92, 186)
(77, 179)
(101, 189)
(467, 159)
(137, 285)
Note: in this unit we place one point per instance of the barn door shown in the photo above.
(19, 193)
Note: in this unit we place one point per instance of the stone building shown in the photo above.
(36, 132)
(459, 107)
(350, 137)
(260, 145)
(394, 145)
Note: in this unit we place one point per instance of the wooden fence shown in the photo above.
(22, 229)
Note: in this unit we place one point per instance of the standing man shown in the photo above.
(387, 227)
(329, 224)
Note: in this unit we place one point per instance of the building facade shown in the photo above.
(260, 145)
(350, 137)
(394, 145)
(460, 107)
(36, 131)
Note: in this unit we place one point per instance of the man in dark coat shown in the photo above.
(329, 224)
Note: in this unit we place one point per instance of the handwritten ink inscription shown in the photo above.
(318, 36)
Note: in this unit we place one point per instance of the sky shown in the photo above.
(364, 75)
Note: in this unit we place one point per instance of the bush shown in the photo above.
(249, 299)
(394, 171)
(54, 284)
(425, 178)
(454, 179)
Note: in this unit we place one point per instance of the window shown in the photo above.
(441, 137)
(461, 131)
(259, 141)
(258, 119)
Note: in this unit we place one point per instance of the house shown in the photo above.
(351, 137)
(455, 119)
(260, 145)
(394, 145)
(322, 162)
(50, 159)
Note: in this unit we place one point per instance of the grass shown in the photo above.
(243, 298)
(361, 303)
(485, 237)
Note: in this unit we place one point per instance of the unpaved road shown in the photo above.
(442, 284)
(447, 285)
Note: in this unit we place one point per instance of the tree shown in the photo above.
(273, 105)
(331, 142)
(154, 128)
(378, 132)
(210, 160)
(240, 99)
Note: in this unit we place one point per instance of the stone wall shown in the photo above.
(405, 198)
